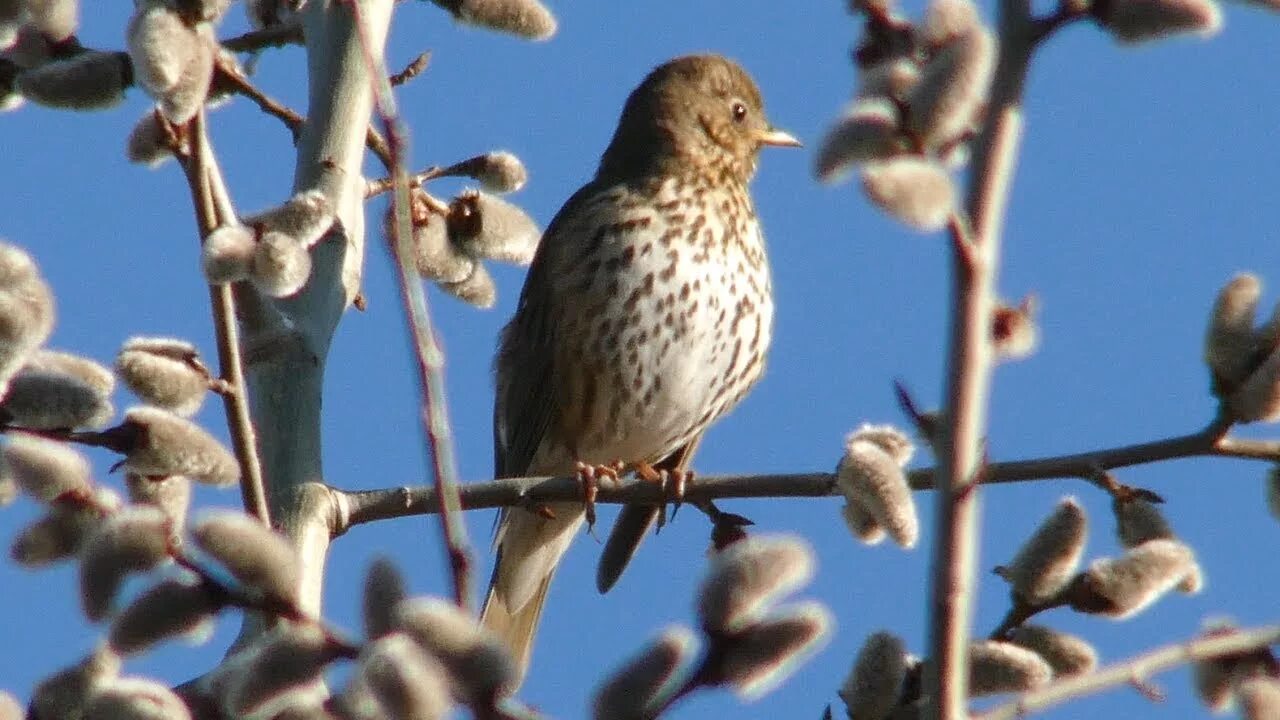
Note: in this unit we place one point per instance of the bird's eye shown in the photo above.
(739, 112)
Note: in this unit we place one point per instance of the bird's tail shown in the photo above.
(529, 550)
(516, 628)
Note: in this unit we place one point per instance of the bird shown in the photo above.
(645, 316)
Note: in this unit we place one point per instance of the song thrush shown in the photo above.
(645, 316)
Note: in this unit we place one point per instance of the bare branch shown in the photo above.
(435, 408)
(1139, 667)
(209, 195)
(359, 507)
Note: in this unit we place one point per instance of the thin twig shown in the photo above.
(1204, 648)
(381, 185)
(372, 505)
(289, 33)
(435, 409)
(208, 194)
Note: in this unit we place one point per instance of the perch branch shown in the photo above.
(359, 507)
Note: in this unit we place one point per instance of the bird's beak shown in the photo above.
(779, 138)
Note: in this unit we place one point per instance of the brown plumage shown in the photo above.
(645, 316)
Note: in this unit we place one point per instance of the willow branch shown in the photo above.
(435, 408)
(210, 197)
(359, 507)
(1144, 665)
(289, 33)
(975, 263)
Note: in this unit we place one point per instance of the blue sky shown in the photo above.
(1147, 179)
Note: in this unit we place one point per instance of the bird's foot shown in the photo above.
(673, 484)
(589, 478)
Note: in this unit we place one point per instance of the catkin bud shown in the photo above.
(1123, 586)
(479, 665)
(383, 591)
(870, 475)
(181, 102)
(953, 85)
(891, 78)
(227, 254)
(868, 130)
(997, 667)
(1135, 21)
(435, 258)
(305, 217)
(1013, 330)
(26, 310)
(1258, 399)
(946, 20)
(1259, 698)
(194, 11)
(500, 171)
(631, 691)
(65, 694)
(748, 577)
(1230, 343)
(875, 682)
(9, 707)
(164, 372)
(916, 191)
(528, 19)
(88, 371)
(51, 400)
(135, 699)
(162, 443)
(291, 659)
(408, 683)
(1048, 559)
(766, 653)
(133, 540)
(44, 469)
(281, 265)
(161, 46)
(170, 609)
(148, 142)
(862, 523)
(1068, 655)
(56, 19)
(56, 536)
(91, 80)
(476, 289)
(1139, 520)
(1215, 678)
(486, 226)
(172, 494)
(253, 553)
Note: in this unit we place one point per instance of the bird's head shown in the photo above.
(700, 113)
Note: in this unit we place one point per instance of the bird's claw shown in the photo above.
(673, 484)
(589, 478)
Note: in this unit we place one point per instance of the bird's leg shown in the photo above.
(673, 484)
(589, 478)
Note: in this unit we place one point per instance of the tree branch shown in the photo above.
(1158, 660)
(975, 262)
(359, 507)
(435, 407)
(209, 195)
